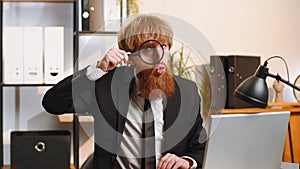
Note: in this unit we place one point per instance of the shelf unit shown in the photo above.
(71, 53)
(77, 34)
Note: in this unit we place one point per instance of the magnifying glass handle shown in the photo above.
(133, 54)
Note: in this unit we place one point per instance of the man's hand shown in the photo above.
(112, 58)
(171, 161)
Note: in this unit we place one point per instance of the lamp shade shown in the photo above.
(253, 90)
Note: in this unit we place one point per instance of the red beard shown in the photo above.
(153, 85)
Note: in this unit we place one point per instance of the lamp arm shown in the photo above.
(277, 77)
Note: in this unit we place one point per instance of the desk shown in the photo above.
(294, 126)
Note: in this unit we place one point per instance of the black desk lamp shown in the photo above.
(254, 89)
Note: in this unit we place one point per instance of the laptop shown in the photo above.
(246, 141)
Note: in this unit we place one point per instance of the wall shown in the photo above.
(249, 27)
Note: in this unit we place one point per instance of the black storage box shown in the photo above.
(40, 149)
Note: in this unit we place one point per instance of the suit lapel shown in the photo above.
(172, 108)
(121, 80)
(171, 112)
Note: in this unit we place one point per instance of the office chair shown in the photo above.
(88, 164)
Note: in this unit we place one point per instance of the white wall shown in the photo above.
(247, 27)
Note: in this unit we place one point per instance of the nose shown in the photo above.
(157, 54)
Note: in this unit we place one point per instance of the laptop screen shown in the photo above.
(246, 141)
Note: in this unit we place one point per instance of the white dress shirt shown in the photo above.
(131, 144)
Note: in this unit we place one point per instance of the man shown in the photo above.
(122, 98)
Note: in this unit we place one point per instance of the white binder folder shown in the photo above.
(33, 55)
(54, 54)
(13, 55)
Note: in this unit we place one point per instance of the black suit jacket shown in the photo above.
(107, 99)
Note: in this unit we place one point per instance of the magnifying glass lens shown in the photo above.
(150, 52)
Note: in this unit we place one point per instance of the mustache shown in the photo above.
(153, 70)
(154, 67)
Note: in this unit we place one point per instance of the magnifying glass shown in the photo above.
(150, 52)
